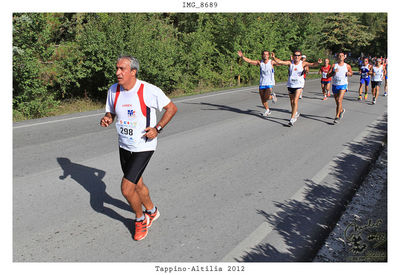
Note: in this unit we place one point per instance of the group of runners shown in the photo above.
(131, 104)
(374, 74)
(336, 74)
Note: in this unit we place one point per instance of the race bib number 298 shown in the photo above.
(126, 130)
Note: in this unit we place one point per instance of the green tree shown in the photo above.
(31, 79)
(57, 56)
(376, 24)
(344, 32)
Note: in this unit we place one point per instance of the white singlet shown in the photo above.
(135, 111)
(296, 78)
(266, 74)
(340, 77)
(378, 73)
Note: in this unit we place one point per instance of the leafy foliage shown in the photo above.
(63, 56)
(344, 32)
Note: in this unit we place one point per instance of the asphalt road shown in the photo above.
(220, 172)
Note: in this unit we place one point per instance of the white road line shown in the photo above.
(178, 101)
(235, 91)
(54, 121)
(223, 93)
(262, 231)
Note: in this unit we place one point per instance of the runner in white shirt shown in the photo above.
(295, 82)
(267, 80)
(340, 71)
(131, 103)
(378, 72)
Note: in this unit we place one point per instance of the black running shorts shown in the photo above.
(376, 84)
(293, 90)
(134, 163)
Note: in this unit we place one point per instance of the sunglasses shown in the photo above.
(297, 55)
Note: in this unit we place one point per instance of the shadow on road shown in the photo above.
(303, 225)
(91, 180)
(255, 113)
(228, 108)
(318, 118)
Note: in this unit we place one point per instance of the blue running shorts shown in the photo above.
(265, 87)
(338, 88)
(365, 81)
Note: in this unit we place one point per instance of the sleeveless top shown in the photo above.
(266, 73)
(296, 79)
(378, 71)
(340, 77)
(325, 71)
(364, 71)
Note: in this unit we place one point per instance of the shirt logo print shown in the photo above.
(131, 113)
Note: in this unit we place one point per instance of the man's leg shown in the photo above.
(385, 88)
(130, 193)
(264, 98)
(360, 91)
(138, 195)
(338, 105)
(144, 194)
(377, 92)
(339, 99)
(294, 100)
(328, 87)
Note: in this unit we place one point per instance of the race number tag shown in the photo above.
(294, 80)
(125, 131)
(324, 75)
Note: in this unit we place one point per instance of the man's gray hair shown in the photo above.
(133, 62)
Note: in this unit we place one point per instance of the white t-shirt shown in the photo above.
(134, 110)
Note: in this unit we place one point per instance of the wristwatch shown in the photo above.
(159, 128)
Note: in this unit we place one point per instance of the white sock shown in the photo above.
(152, 210)
(140, 219)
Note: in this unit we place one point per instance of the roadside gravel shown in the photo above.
(361, 233)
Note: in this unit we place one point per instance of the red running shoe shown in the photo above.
(141, 229)
(152, 217)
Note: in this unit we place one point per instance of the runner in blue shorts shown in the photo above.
(340, 71)
(267, 80)
(364, 78)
